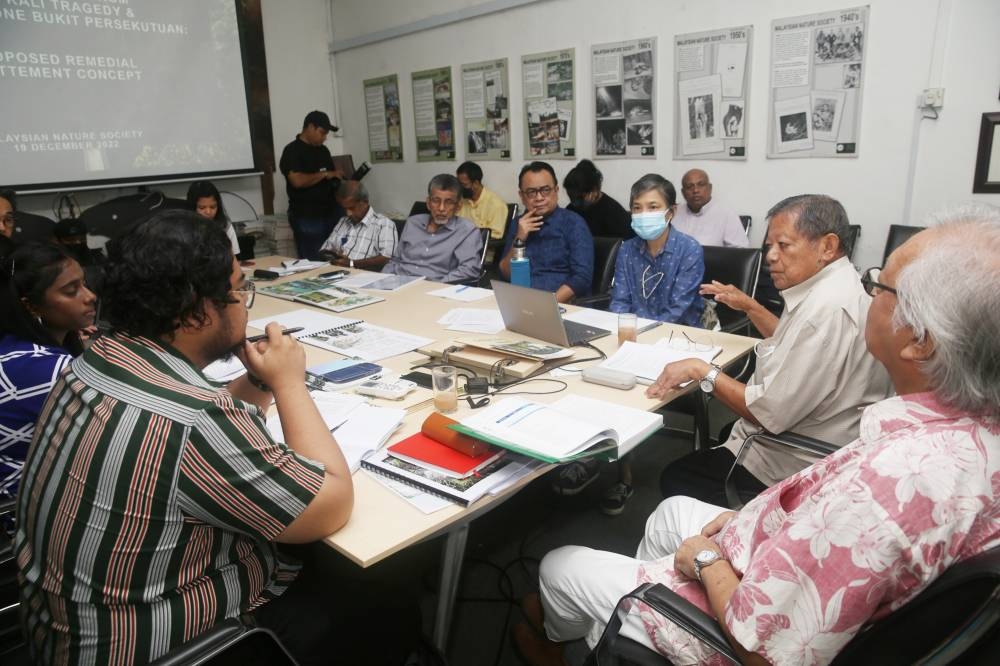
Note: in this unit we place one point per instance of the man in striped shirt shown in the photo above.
(152, 499)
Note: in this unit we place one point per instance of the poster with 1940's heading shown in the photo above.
(549, 104)
(385, 135)
(624, 80)
(817, 70)
(712, 79)
(486, 110)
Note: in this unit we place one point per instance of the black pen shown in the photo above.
(263, 336)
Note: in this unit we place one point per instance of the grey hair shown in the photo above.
(446, 182)
(816, 215)
(352, 189)
(951, 294)
(654, 181)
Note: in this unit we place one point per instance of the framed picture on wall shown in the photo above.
(987, 178)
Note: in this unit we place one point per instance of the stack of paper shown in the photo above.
(606, 320)
(224, 370)
(472, 320)
(462, 293)
(647, 361)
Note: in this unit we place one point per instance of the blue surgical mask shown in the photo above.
(648, 226)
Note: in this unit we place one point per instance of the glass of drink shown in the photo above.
(445, 382)
(627, 323)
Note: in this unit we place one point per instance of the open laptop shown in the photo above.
(535, 313)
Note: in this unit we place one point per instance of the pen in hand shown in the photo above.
(263, 336)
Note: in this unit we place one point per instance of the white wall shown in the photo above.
(873, 187)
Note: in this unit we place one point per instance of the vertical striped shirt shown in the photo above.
(148, 506)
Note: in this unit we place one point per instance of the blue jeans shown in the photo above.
(310, 233)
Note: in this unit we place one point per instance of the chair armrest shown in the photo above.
(790, 439)
(597, 301)
(203, 645)
(678, 610)
(796, 441)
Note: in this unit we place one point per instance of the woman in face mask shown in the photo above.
(658, 273)
(604, 216)
(657, 276)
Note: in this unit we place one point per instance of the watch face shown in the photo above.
(707, 385)
(706, 556)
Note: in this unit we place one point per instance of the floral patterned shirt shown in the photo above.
(851, 538)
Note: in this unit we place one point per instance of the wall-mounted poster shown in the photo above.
(817, 65)
(486, 110)
(385, 136)
(433, 115)
(712, 79)
(549, 104)
(624, 79)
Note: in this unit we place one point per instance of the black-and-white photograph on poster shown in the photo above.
(549, 104)
(623, 76)
(817, 63)
(485, 109)
(712, 84)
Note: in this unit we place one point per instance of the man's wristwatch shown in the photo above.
(707, 382)
(705, 558)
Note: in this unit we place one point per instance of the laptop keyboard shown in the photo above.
(577, 332)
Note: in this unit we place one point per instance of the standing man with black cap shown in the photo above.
(311, 181)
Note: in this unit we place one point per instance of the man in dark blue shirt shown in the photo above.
(557, 241)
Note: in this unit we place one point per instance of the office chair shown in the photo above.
(739, 266)
(605, 254)
(956, 619)
(851, 242)
(231, 642)
(496, 245)
(419, 208)
(789, 440)
(400, 224)
(12, 646)
(30, 227)
(898, 234)
(747, 222)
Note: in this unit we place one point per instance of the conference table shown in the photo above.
(383, 523)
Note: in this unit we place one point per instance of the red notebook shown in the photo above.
(419, 449)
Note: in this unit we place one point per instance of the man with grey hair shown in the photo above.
(362, 238)
(813, 373)
(800, 570)
(439, 245)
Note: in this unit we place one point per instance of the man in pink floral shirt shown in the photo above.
(802, 568)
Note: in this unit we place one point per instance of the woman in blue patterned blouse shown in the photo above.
(657, 276)
(658, 273)
(44, 303)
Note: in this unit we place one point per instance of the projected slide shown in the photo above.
(108, 91)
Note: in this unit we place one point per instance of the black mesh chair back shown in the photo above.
(898, 234)
(419, 208)
(738, 266)
(851, 242)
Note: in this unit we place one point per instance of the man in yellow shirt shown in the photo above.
(479, 204)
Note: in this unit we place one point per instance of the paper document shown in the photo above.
(462, 293)
(647, 361)
(606, 320)
(472, 320)
(333, 407)
(225, 369)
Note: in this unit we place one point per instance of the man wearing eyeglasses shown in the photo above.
(813, 373)
(439, 245)
(153, 499)
(6, 213)
(557, 241)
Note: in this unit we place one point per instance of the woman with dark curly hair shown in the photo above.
(203, 197)
(44, 302)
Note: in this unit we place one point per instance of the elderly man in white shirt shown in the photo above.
(707, 221)
(813, 374)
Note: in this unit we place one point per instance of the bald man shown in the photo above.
(705, 220)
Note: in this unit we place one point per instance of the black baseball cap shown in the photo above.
(319, 119)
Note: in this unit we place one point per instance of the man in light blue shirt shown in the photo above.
(439, 246)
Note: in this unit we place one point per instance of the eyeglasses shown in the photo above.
(7, 220)
(442, 202)
(536, 192)
(247, 293)
(871, 284)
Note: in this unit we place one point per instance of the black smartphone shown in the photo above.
(351, 373)
(419, 378)
(333, 275)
